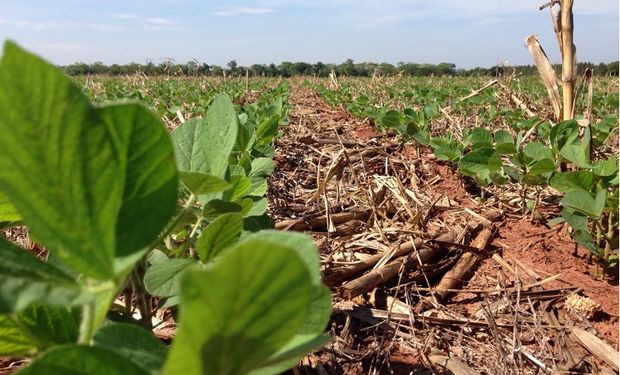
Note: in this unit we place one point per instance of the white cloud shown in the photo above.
(240, 10)
(149, 23)
(62, 25)
(160, 21)
(125, 16)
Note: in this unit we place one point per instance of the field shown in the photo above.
(459, 228)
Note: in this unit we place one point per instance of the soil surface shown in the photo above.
(542, 250)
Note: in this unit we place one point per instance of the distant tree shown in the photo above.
(190, 68)
(303, 68)
(204, 68)
(217, 71)
(287, 69)
(387, 69)
(347, 68)
(320, 69)
(258, 70)
(232, 66)
(445, 69)
(271, 70)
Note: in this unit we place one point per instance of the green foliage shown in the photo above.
(82, 360)
(162, 278)
(99, 186)
(84, 178)
(8, 212)
(24, 279)
(221, 233)
(261, 301)
(134, 343)
(14, 341)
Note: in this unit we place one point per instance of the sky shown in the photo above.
(467, 33)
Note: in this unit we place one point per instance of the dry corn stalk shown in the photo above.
(564, 108)
(546, 73)
(569, 60)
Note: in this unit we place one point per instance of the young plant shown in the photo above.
(98, 187)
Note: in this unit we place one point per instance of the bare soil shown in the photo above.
(360, 348)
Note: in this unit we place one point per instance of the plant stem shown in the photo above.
(87, 325)
(523, 199)
(142, 299)
(127, 297)
(600, 232)
(189, 203)
(536, 201)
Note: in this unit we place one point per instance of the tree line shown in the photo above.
(289, 69)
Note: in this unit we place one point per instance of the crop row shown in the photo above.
(503, 146)
(127, 209)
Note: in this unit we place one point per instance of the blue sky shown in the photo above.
(466, 32)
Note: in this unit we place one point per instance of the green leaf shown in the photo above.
(134, 343)
(201, 183)
(262, 167)
(290, 355)
(254, 224)
(163, 279)
(150, 182)
(95, 185)
(299, 243)
(563, 133)
(24, 279)
(255, 206)
(259, 187)
(513, 173)
(13, 340)
(267, 129)
(260, 303)
(422, 136)
(50, 325)
(246, 135)
(8, 212)
(220, 134)
(584, 202)
(430, 111)
(570, 181)
(599, 202)
(575, 219)
(537, 151)
(503, 137)
(506, 149)
(391, 119)
(447, 148)
(498, 178)
(476, 161)
(584, 238)
(576, 155)
(606, 167)
(480, 137)
(310, 333)
(241, 185)
(221, 233)
(81, 360)
(189, 140)
(217, 207)
(542, 167)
